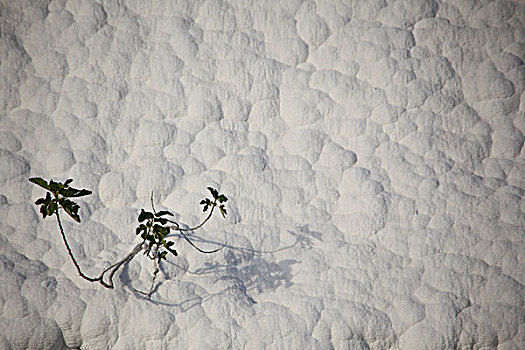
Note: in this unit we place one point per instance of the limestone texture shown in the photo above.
(372, 152)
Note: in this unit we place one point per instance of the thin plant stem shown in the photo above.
(177, 227)
(113, 268)
(153, 278)
(199, 249)
(90, 279)
(182, 230)
(117, 265)
(198, 226)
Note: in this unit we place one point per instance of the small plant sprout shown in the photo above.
(154, 227)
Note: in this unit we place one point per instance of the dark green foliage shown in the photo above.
(153, 227)
(220, 198)
(153, 231)
(57, 197)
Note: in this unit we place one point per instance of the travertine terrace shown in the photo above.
(372, 151)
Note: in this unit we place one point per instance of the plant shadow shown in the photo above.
(249, 267)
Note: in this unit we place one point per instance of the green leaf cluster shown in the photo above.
(153, 230)
(58, 197)
(218, 200)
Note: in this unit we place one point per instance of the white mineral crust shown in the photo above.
(372, 152)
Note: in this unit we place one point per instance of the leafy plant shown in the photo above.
(154, 227)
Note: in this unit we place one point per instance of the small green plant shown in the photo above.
(154, 227)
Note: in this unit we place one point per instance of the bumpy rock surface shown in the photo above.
(372, 151)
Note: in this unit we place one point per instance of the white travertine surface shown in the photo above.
(372, 152)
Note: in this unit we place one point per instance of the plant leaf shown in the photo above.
(73, 192)
(40, 182)
(163, 212)
(223, 211)
(43, 210)
(67, 192)
(141, 228)
(40, 201)
(52, 208)
(161, 220)
(71, 208)
(213, 192)
(81, 193)
(55, 186)
(162, 231)
(73, 214)
(145, 215)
